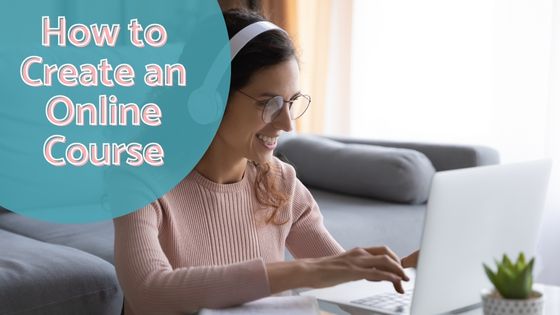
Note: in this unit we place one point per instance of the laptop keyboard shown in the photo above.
(394, 302)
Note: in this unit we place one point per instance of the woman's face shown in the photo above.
(242, 129)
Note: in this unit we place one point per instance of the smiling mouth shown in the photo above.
(269, 142)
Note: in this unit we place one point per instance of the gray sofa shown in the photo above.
(48, 268)
(361, 221)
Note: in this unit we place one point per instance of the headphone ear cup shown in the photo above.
(205, 105)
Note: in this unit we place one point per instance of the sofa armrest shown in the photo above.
(443, 156)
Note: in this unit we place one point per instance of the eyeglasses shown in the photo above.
(273, 106)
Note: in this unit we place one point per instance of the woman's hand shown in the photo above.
(411, 260)
(373, 264)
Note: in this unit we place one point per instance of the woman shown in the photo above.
(218, 238)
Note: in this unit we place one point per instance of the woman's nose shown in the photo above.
(283, 120)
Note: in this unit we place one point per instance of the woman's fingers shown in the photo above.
(380, 275)
(383, 250)
(384, 263)
(374, 264)
(410, 261)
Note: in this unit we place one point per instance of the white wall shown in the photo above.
(473, 72)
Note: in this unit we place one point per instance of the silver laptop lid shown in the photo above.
(475, 215)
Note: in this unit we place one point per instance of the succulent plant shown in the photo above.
(512, 280)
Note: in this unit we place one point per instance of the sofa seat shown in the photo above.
(42, 278)
(94, 238)
(364, 222)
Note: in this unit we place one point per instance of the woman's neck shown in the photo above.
(221, 166)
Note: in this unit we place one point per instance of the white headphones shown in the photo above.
(205, 103)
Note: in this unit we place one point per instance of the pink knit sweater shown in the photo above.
(205, 245)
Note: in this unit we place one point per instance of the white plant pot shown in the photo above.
(494, 304)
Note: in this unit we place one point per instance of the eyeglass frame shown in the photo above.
(291, 101)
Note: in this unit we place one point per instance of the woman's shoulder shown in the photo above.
(285, 170)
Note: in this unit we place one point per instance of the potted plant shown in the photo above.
(513, 294)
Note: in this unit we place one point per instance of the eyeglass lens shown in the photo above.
(275, 105)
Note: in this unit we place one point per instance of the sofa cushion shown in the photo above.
(390, 174)
(41, 278)
(94, 238)
(358, 221)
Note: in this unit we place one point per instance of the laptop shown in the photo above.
(473, 216)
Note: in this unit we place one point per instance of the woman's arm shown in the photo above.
(374, 264)
(152, 286)
(325, 262)
(308, 236)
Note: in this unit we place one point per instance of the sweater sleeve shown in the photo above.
(308, 235)
(152, 286)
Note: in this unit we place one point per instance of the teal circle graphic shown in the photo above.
(107, 105)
